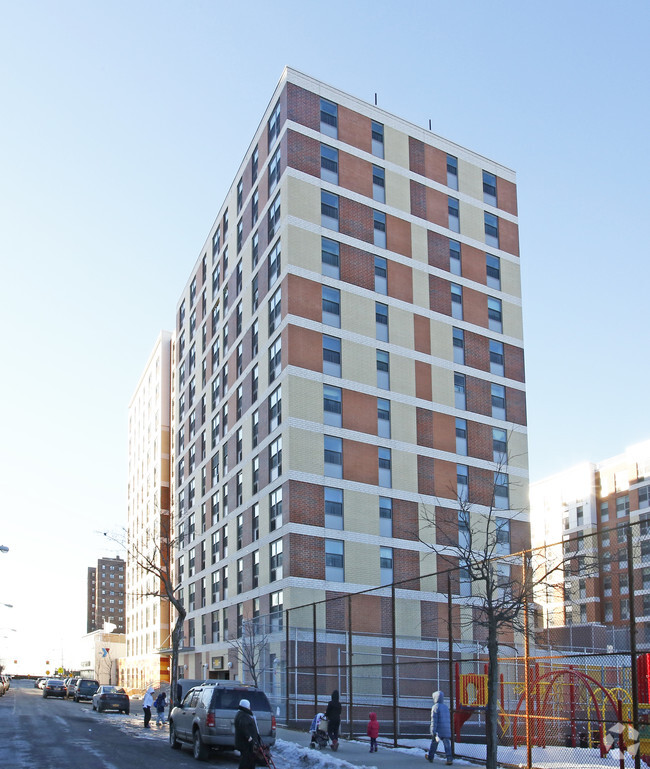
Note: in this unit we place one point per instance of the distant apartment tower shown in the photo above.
(147, 626)
(587, 510)
(349, 351)
(106, 595)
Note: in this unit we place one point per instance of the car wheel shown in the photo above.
(173, 741)
(127, 711)
(199, 750)
(94, 708)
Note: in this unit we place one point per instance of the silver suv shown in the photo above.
(206, 717)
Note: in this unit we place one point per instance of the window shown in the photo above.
(256, 248)
(329, 210)
(381, 321)
(459, 346)
(240, 578)
(275, 509)
(379, 220)
(493, 271)
(255, 427)
(499, 445)
(381, 274)
(623, 506)
(274, 218)
(256, 567)
(580, 516)
(386, 565)
(331, 300)
(330, 258)
(255, 208)
(455, 266)
(604, 511)
(489, 188)
(461, 436)
(329, 118)
(644, 496)
(496, 357)
(464, 532)
(378, 184)
(459, 391)
(456, 301)
(334, 562)
(383, 370)
(452, 172)
(333, 455)
(329, 164)
(255, 483)
(275, 458)
(332, 408)
(216, 242)
(256, 524)
(495, 315)
(333, 508)
(502, 534)
(275, 359)
(275, 259)
(462, 483)
(277, 609)
(331, 355)
(385, 467)
(275, 408)
(498, 395)
(240, 235)
(274, 125)
(275, 311)
(274, 170)
(276, 560)
(383, 418)
(491, 229)
(501, 494)
(625, 608)
(377, 147)
(385, 516)
(454, 214)
(255, 163)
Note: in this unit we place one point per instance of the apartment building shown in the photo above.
(106, 600)
(348, 353)
(588, 510)
(148, 522)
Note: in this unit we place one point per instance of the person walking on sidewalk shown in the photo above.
(373, 732)
(246, 735)
(440, 728)
(160, 704)
(333, 716)
(147, 702)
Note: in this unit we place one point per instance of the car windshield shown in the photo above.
(87, 685)
(110, 689)
(55, 682)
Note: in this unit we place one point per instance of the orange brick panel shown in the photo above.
(355, 129)
(444, 432)
(366, 613)
(360, 462)
(437, 207)
(356, 220)
(305, 556)
(424, 427)
(418, 199)
(303, 153)
(416, 156)
(507, 196)
(405, 519)
(359, 412)
(355, 174)
(473, 264)
(400, 281)
(439, 295)
(422, 334)
(508, 237)
(357, 267)
(305, 348)
(445, 479)
(305, 503)
(446, 531)
(406, 564)
(479, 397)
(425, 475)
(479, 440)
(516, 406)
(514, 363)
(519, 535)
(477, 351)
(438, 250)
(435, 164)
(423, 386)
(481, 486)
(475, 307)
(398, 235)
(302, 107)
(303, 297)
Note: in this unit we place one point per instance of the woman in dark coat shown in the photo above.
(333, 716)
(246, 735)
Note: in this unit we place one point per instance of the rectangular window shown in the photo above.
(277, 608)
(499, 446)
(383, 418)
(459, 391)
(456, 301)
(331, 355)
(491, 229)
(275, 409)
(496, 358)
(274, 124)
(275, 509)
(604, 511)
(498, 395)
(276, 560)
(386, 565)
(381, 275)
(461, 436)
(274, 170)
(275, 458)
(275, 311)
(255, 164)
(493, 271)
(377, 147)
(489, 189)
(455, 265)
(256, 567)
(255, 481)
(379, 225)
(334, 561)
(274, 218)
(464, 532)
(501, 494)
(452, 172)
(495, 314)
(381, 321)
(274, 263)
(462, 483)
(256, 249)
(331, 303)
(378, 184)
(459, 346)
(333, 508)
(255, 208)
(275, 359)
(623, 506)
(240, 235)
(383, 370)
(329, 210)
(255, 427)
(329, 118)
(454, 214)
(330, 259)
(644, 496)
(332, 405)
(329, 164)
(333, 456)
(503, 534)
(385, 467)
(385, 516)
(216, 242)
(256, 525)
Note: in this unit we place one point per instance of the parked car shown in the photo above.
(111, 697)
(71, 687)
(54, 687)
(4, 684)
(205, 718)
(40, 683)
(85, 688)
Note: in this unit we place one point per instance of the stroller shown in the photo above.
(318, 729)
(262, 755)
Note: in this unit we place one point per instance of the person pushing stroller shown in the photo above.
(318, 729)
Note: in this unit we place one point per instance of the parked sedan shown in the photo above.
(54, 687)
(111, 697)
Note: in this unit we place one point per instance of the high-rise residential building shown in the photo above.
(581, 515)
(348, 353)
(106, 600)
(147, 613)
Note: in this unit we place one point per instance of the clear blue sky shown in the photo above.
(121, 127)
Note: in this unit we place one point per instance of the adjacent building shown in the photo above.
(106, 599)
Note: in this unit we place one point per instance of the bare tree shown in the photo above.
(251, 647)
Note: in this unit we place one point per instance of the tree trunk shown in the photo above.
(173, 678)
(492, 711)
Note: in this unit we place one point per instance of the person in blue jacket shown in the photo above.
(440, 727)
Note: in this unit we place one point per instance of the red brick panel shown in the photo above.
(429, 619)
(356, 220)
(479, 397)
(302, 298)
(418, 199)
(445, 479)
(425, 475)
(473, 264)
(475, 307)
(304, 556)
(360, 462)
(400, 281)
(303, 153)
(424, 427)
(303, 503)
(416, 156)
(305, 348)
(519, 536)
(406, 564)
(477, 351)
(446, 529)
(444, 432)
(406, 524)
(423, 386)
(439, 295)
(438, 250)
(303, 107)
(514, 362)
(355, 174)
(359, 412)
(355, 129)
(479, 440)
(422, 334)
(366, 613)
(435, 163)
(357, 267)
(508, 237)
(398, 235)
(516, 406)
(481, 486)
(507, 196)
(437, 207)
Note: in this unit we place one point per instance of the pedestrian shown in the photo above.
(160, 704)
(373, 732)
(146, 706)
(333, 716)
(440, 728)
(246, 735)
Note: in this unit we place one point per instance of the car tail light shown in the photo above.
(273, 722)
(103, 696)
(209, 719)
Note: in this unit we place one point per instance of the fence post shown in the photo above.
(315, 661)
(450, 640)
(633, 654)
(286, 667)
(394, 632)
(529, 747)
(350, 698)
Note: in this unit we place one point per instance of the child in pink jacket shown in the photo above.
(373, 732)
